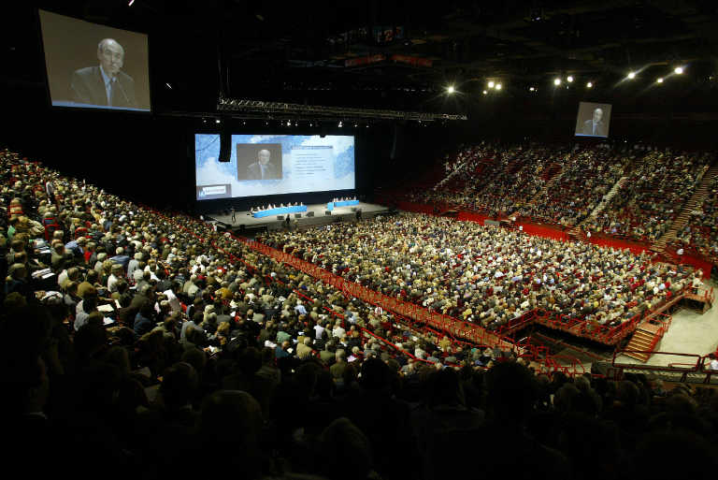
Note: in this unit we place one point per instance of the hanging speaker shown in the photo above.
(225, 146)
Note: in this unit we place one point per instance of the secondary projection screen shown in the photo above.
(273, 165)
(593, 120)
(94, 66)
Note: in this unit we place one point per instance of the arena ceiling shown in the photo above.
(403, 51)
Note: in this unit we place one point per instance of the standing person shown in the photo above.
(234, 215)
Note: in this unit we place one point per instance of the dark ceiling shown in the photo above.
(394, 52)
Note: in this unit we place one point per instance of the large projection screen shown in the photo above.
(593, 120)
(273, 165)
(94, 66)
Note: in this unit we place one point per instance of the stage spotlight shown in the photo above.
(450, 89)
(589, 85)
(532, 89)
(356, 125)
(557, 82)
(569, 79)
(131, 2)
(678, 71)
(631, 75)
(218, 121)
(660, 80)
(491, 84)
(498, 86)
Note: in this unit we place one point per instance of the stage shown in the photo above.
(315, 215)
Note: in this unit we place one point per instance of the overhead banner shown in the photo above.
(415, 61)
(355, 62)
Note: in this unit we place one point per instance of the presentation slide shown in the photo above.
(273, 165)
(94, 66)
(593, 120)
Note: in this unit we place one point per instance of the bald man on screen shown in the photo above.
(595, 125)
(263, 169)
(105, 84)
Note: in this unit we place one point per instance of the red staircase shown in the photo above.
(647, 336)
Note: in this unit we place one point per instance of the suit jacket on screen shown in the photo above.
(588, 128)
(254, 172)
(88, 87)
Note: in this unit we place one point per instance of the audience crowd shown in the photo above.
(563, 186)
(486, 275)
(139, 345)
(657, 188)
(701, 231)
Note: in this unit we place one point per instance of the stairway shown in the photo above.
(551, 179)
(695, 202)
(453, 174)
(645, 338)
(577, 230)
(607, 198)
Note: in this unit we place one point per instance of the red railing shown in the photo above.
(474, 333)
(685, 368)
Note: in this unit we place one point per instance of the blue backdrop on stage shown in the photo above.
(280, 211)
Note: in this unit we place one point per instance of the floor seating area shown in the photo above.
(138, 342)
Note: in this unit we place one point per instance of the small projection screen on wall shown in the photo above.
(593, 120)
(95, 66)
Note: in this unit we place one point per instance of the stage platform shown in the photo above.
(246, 222)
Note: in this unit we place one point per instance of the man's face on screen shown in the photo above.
(597, 115)
(264, 157)
(111, 56)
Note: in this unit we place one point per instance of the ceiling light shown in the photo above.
(491, 84)
(131, 2)
(660, 80)
(557, 82)
(450, 89)
(531, 89)
(218, 121)
(589, 85)
(485, 92)
(631, 75)
(498, 86)
(569, 79)
(678, 70)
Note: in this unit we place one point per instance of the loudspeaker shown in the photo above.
(225, 146)
(297, 215)
(310, 214)
(327, 212)
(280, 217)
